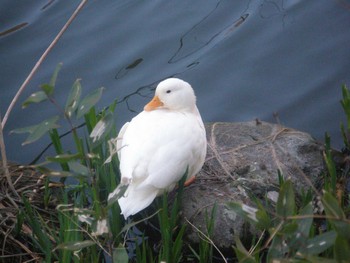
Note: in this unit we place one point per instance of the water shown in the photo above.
(245, 59)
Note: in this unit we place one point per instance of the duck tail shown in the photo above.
(136, 199)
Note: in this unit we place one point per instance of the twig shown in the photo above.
(41, 59)
(4, 162)
(207, 239)
(251, 251)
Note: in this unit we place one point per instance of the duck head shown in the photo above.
(173, 94)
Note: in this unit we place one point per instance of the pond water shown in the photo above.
(245, 59)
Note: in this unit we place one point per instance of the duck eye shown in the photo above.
(168, 91)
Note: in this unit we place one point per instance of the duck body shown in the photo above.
(157, 147)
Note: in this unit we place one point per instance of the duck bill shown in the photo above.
(153, 104)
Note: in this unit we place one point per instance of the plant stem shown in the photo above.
(39, 62)
(4, 161)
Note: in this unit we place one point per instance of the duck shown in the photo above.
(159, 145)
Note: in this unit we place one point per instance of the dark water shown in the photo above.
(245, 59)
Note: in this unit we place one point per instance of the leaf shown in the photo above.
(88, 102)
(28, 129)
(315, 259)
(42, 238)
(128, 226)
(304, 224)
(120, 255)
(289, 228)
(55, 74)
(341, 249)
(100, 227)
(48, 172)
(329, 162)
(264, 221)
(318, 244)
(345, 135)
(117, 193)
(336, 214)
(63, 158)
(102, 128)
(73, 98)
(345, 102)
(80, 169)
(113, 105)
(242, 254)
(278, 248)
(48, 89)
(36, 97)
(299, 236)
(39, 130)
(75, 245)
(286, 200)
(248, 212)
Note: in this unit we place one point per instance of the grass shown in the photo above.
(81, 226)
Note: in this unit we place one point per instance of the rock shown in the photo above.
(243, 159)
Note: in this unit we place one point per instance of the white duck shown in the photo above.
(158, 145)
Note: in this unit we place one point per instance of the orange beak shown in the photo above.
(153, 104)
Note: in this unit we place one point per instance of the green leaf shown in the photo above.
(345, 102)
(289, 228)
(286, 200)
(73, 98)
(315, 259)
(336, 214)
(55, 74)
(48, 89)
(64, 158)
(304, 224)
(345, 135)
(28, 129)
(341, 249)
(40, 237)
(319, 244)
(80, 169)
(128, 226)
(330, 164)
(56, 141)
(278, 248)
(88, 102)
(242, 254)
(299, 236)
(75, 245)
(113, 105)
(120, 255)
(48, 172)
(39, 130)
(36, 97)
(264, 221)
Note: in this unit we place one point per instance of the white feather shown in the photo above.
(157, 146)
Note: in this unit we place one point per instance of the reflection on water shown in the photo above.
(123, 71)
(13, 29)
(206, 33)
(50, 2)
